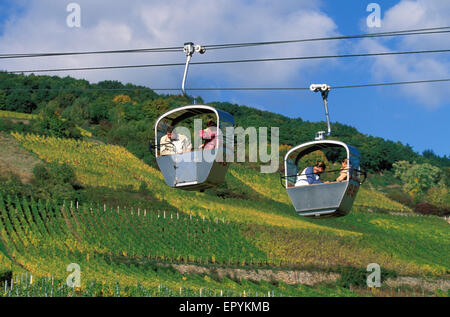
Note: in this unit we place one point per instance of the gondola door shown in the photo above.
(185, 169)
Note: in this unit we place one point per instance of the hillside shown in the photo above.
(79, 185)
(138, 223)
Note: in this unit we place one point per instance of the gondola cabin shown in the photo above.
(332, 199)
(183, 163)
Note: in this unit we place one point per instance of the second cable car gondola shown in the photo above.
(331, 199)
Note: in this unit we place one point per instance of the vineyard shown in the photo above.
(123, 245)
(120, 247)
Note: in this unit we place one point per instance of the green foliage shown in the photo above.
(383, 179)
(12, 185)
(77, 112)
(2, 100)
(20, 101)
(55, 181)
(143, 188)
(417, 178)
(152, 109)
(98, 111)
(439, 196)
(435, 159)
(50, 123)
(357, 277)
(312, 158)
(7, 125)
(54, 173)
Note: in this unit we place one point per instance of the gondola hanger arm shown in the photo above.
(189, 49)
(324, 89)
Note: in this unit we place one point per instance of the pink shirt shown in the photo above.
(209, 135)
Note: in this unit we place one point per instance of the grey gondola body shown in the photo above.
(199, 169)
(326, 199)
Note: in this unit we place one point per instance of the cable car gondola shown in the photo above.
(191, 168)
(196, 169)
(332, 199)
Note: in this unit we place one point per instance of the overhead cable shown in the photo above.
(422, 31)
(231, 61)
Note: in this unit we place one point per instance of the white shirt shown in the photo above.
(180, 144)
(302, 179)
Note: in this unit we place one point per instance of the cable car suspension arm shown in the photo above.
(189, 49)
(324, 89)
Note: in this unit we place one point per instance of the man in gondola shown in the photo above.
(311, 175)
(174, 143)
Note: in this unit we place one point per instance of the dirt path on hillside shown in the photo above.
(288, 277)
(309, 278)
(427, 284)
(14, 159)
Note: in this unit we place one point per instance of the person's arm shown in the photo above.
(201, 133)
(162, 146)
(166, 146)
(188, 145)
(310, 175)
(342, 176)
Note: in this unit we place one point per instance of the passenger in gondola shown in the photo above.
(344, 171)
(311, 175)
(174, 143)
(209, 136)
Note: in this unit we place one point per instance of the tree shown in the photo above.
(122, 99)
(98, 111)
(417, 178)
(20, 101)
(49, 122)
(2, 100)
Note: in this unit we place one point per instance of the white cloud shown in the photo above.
(408, 14)
(138, 24)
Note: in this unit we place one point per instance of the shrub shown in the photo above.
(55, 181)
(41, 173)
(429, 209)
(143, 188)
(50, 123)
(417, 178)
(351, 276)
(439, 196)
(54, 173)
(12, 185)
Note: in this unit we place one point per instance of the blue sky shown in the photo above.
(415, 114)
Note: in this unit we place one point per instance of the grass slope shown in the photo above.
(15, 159)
